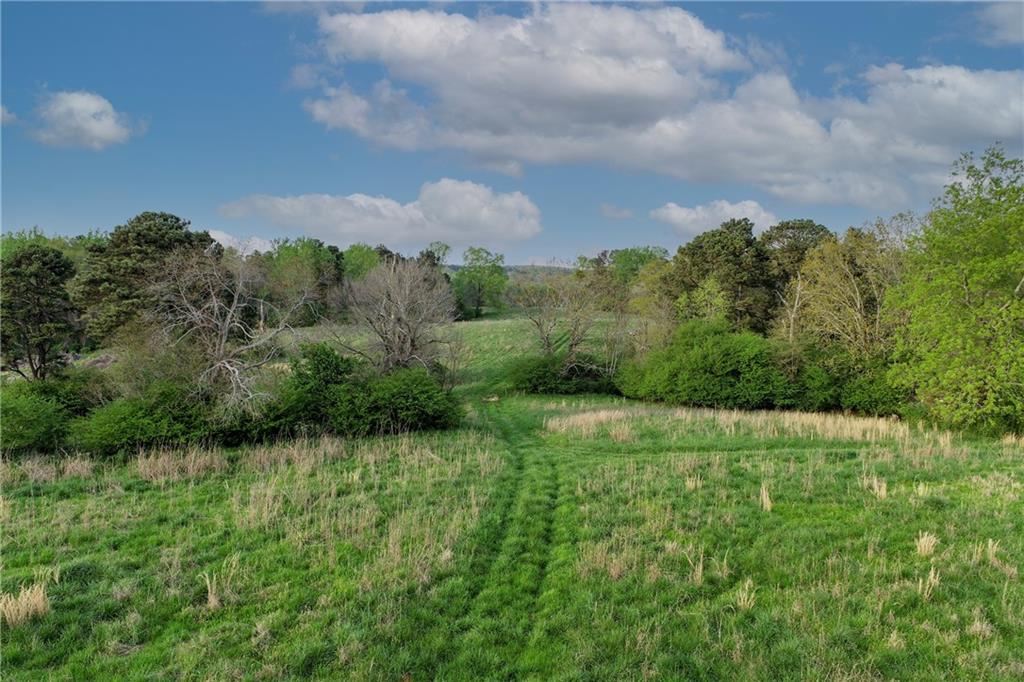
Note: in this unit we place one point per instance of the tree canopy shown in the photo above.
(739, 265)
(359, 260)
(38, 318)
(480, 281)
(960, 343)
(113, 284)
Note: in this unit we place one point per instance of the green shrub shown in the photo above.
(708, 365)
(164, 415)
(405, 400)
(320, 366)
(869, 391)
(555, 374)
(329, 392)
(30, 423)
(817, 389)
(302, 399)
(76, 389)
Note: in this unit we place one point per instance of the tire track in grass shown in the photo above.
(546, 650)
(502, 616)
(426, 633)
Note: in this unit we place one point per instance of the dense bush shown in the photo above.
(831, 379)
(76, 389)
(404, 400)
(817, 389)
(708, 365)
(869, 391)
(164, 415)
(303, 398)
(29, 422)
(556, 374)
(329, 392)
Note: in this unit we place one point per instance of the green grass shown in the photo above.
(551, 538)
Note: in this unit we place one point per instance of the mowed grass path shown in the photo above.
(552, 538)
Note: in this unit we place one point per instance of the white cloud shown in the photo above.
(6, 116)
(690, 222)
(304, 77)
(459, 212)
(614, 212)
(388, 116)
(1001, 23)
(81, 119)
(579, 63)
(244, 245)
(642, 89)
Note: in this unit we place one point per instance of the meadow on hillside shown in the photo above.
(551, 537)
(549, 340)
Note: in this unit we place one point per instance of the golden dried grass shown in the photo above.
(39, 470)
(78, 466)
(926, 543)
(163, 466)
(30, 602)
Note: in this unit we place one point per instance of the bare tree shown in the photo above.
(578, 309)
(210, 300)
(792, 299)
(405, 304)
(564, 311)
(558, 306)
(538, 300)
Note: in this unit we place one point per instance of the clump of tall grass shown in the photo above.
(78, 466)
(161, 466)
(29, 603)
(745, 597)
(585, 424)
(39, 470)
(926, 586)
(926, 543)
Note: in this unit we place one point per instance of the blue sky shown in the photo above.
(540, 131)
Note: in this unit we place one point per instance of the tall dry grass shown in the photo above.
(29, 603)
(78, 466)
(586, 424)
(163, 466)
(918, 441)
(39, 470)
(326, 497)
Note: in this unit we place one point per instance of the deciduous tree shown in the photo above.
(359, 260)
(480, 281)
(960, 341)
(213, 303)
(405, 305)
(847, 280)
(739, 264)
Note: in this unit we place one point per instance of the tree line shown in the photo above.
(921, 317)
(917, 316)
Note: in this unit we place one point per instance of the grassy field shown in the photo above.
(551, 538)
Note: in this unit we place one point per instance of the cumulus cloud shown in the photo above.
(458, 212)
(614, 212)
(6, 116)
(244, 245)
(690, 222)
(1001, 23)
(645, 89)
(81, 119)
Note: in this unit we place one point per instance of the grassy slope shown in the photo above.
(569, 538)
